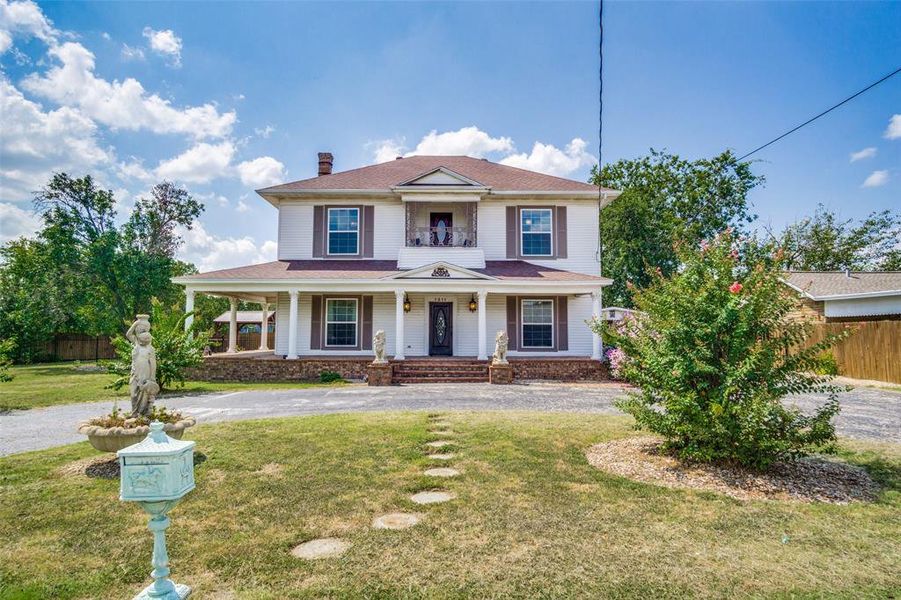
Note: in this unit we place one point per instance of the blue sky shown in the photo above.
(229, 97)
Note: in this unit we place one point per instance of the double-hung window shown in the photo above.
(341, 322)
(343, 231)
(536, 227)
(537, 323)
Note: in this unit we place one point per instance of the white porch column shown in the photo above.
(233, 326)
(597, 345)
(399, 324)
(292, 325)
(189, 308)
(483, 325)
(264, 326)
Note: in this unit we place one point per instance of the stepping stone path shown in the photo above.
(442, 433)
(441, 472)
(440, 444)
(321, 548)
(432, 497)
(396, 521)
(444, 456)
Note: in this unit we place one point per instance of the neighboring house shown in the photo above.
(835, 296)
(248, 321)
(440, 252)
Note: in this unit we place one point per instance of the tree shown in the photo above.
(824, 242)
(713, 352)
(666, 200)
(151, 227)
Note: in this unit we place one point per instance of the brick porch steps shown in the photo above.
(437, 370)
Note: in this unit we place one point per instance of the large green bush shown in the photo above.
(176, 349)
(713, 354)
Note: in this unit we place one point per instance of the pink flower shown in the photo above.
(704, 246)
(735, 287)
(734, 254)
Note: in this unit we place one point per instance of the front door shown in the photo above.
(441, 329)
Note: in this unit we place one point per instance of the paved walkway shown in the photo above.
(866, 413)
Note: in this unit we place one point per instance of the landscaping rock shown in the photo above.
(432, 497)
(396, 521)
(441, 472)
(321, 548)
(443, 456)
(442, 432)
(440, 444)
(811, 479)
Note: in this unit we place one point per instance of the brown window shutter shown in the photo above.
(367, 323)
(560, 234)
(318, 231)
(368, 230)
(562, 326)
(316, 323)
(512, 323)
(512, 238)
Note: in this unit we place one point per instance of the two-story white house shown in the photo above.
(440, 252)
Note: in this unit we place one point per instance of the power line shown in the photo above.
(825, 112)
(600, 128)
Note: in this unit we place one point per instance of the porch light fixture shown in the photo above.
(407, 304)
(472, 303)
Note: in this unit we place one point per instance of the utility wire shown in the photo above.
(600, 127)
(825, 112)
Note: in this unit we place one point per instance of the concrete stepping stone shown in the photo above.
(321, 548)
(432, 497)
(441, 472)
(441, 424)
(443, 432)
(442, 456)
(441, 443)
(396, 521)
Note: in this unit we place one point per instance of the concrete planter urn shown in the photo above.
(113, 439)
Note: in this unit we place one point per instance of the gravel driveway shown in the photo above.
(866, 413)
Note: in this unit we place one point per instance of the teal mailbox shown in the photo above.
(156, 473)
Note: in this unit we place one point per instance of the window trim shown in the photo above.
(522, 232)
(356, 322)
(328, 231)
(522, 324)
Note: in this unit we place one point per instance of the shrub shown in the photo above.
(117, 418)
(176, 349)
(6, 350)
(329, 377)
(826, 364)
(713, 353)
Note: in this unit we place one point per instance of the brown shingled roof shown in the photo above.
(821, 284)
(377, 269)
(389, 174)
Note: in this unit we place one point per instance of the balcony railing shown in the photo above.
(436, 237)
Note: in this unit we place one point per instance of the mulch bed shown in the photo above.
(811, 479)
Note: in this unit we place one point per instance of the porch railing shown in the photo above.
(461, 237)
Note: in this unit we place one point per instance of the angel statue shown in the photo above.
(501, 341)
(142, 384)
(378, 346)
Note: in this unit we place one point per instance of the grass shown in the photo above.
(532, 520)
(52, 384)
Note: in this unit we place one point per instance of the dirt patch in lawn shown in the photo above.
(810, 479)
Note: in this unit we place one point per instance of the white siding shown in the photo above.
(465, 325)
(389, 231)
(864, 307)
(295, 231)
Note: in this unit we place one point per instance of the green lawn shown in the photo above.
(50, 384)
(532, 520)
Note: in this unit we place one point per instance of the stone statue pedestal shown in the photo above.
(501, 374)
(380, 373)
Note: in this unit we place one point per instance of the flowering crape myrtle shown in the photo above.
(713, 352)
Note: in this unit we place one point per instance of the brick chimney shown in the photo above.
(325, 163)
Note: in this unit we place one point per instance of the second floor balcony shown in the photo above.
(441, 225)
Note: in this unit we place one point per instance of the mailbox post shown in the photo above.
(156, 473)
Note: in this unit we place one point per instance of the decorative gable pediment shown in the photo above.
(440, 270)
(440, 177)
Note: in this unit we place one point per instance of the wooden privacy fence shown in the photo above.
(78, 346)
(873, 351)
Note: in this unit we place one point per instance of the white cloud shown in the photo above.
(876, 179)
(862, 154)
(16, 222)
(386, 150)
(469, 141)
(166, 43)
(893, 131)
(34, 143)
(209, 252)
(546, 158)
(129, 53)
(241, 207)
(26, 19)
(121, 105)
(263, 132)
(199, 164)
(261, 172)
(106, 36)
